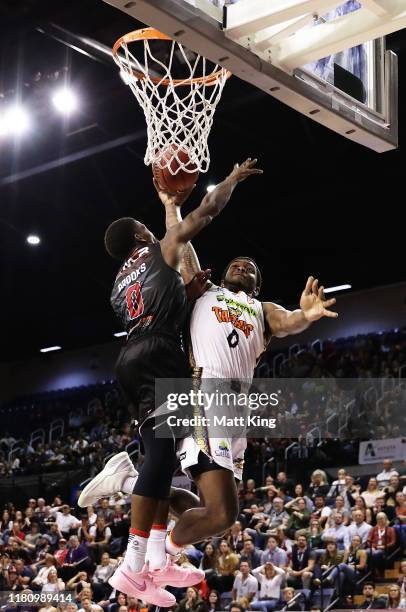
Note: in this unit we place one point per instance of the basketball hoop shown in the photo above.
(178, 111)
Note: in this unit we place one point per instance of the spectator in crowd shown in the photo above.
(358, 526)
(191, 602)
(394, 597)
(383, 477)
(381, 542)
(284, 483)
(235, 537)
(228, 564)
(78, 582)
(318, 484)
(299, 518)
(402, 577)
(61, 552)
(65, 520)
(329, 562)
(88, 606)
(290, 603)
(301, 567)
(371, 600)
(285, 543)
(336, 532)
(245, 585)
(47, 565)
(98, 538)
(105, 511)
(300, 492)
(213, 603)
(277, 514)
(91, 516)
(338, 486)
(270, 578)
(101, 576)
(236, 607)
(314, 535)
(353, 567)
(371, 493)
(250, 554)
(339, 506)
(53, 584)
(76, 559)
(274, 554)
(361, 505)
(321, 512)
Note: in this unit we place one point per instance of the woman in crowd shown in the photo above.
(5, 523)
(53, 584)
(327, 567)
(400, 520)
(371, 493)
(340, 507)
(270, 580)
(284, 542)
(318, 484)
(213, 603)
(338, 485)
(235, 538)
(314, 535)
(394, 597)
(300, 492)
(361, 505)
(402, 577)
(191, 603)
(353, 567)
(78, 583)
(209, 563)
(381, 542)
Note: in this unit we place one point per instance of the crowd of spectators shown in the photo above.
(290, 538)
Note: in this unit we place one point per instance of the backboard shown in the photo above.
(324, 58)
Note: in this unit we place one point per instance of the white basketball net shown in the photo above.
(179, 113)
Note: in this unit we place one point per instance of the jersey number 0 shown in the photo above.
(135, 305)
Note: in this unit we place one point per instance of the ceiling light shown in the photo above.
(65, 101)
(338, 288)
(33, 239)
(49, 349)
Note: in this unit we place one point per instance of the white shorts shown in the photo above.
(228, 453)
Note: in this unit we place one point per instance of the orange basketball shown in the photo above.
(182, 180)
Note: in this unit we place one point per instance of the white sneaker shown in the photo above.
(109, 481)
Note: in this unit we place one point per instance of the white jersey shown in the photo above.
(227, 332)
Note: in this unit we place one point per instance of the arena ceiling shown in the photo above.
(324, 206)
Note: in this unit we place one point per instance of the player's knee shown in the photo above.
(224, 516)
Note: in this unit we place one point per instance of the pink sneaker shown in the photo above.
(140, 585)
(176, 576)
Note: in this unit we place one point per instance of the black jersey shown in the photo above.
(148, 295)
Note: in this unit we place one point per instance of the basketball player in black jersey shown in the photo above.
(150, 300)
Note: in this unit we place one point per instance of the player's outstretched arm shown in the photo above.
(211, 206)
(189, 261)
(313, 306)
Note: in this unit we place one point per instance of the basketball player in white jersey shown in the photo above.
(229, 330)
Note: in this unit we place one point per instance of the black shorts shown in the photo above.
(141, 361)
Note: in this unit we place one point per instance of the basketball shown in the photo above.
(182, 180)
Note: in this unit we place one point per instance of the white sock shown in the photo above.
(171, 547)
(156, 552)
(128, 484)
(136, 550)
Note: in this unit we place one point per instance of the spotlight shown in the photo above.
(120, 334)
(65, 101)
(210, 188)
(33, 239)
(15, 121)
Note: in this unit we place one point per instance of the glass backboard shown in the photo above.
(323, 58)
